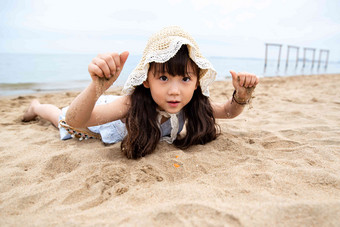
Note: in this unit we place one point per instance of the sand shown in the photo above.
(277, 164)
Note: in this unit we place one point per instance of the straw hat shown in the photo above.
(164, 45)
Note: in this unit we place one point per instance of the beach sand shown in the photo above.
(277, 164)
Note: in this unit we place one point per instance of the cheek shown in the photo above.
(190, 92)
(154, 90)
(155, 94)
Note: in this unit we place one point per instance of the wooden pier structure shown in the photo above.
(305, 50)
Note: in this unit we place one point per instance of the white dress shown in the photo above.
(115, 131)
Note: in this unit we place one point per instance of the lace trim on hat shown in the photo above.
(162, 52)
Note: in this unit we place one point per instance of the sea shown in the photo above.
(22, 74)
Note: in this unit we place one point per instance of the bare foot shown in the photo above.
(30, 114)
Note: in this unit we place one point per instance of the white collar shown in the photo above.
(174, 123)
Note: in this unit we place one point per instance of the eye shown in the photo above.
(186, 79)
(163, 78)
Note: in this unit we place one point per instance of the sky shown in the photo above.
(224, 28)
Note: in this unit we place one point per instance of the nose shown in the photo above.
(174, 88)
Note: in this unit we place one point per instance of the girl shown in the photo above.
(167, 98)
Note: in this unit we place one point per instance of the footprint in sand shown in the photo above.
(23, 204)
(280, 144)
(60, 164)
(192, 214)
(98, 188)
(260, 180)
(148, 174)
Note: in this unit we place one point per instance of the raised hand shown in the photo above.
(105, 69)
(244, 84)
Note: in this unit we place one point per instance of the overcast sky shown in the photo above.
(221, 27)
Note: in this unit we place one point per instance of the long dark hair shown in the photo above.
(141, 120)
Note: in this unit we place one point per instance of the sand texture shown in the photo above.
(277, 164)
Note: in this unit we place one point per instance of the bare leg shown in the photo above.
(46, 111)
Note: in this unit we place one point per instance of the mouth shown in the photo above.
(173, 103)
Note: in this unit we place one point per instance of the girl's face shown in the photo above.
(171, 93)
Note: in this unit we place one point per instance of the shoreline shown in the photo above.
(276, 164)
(11, 90)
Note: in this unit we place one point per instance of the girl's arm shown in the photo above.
(104, 70)
(244, 84)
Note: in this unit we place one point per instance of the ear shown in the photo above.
(146, 84)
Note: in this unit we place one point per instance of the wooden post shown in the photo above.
(278, 60)
(265, 57)
(304, 56)
(326, 64)
(287, 57)
(297, 55)
(313, 49)
(319, 62)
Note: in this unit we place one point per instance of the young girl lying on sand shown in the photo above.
(167, 98)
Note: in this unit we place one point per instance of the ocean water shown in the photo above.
(31, 73)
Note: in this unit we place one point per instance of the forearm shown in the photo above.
(230, 109)
(244, 84)
(82, 106)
